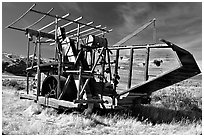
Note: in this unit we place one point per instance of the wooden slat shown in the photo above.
(52, 23)
(77, 22)
(51, 102)
(187, 68)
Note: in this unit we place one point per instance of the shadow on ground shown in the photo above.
(153, 114)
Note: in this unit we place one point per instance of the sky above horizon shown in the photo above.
(180, 23)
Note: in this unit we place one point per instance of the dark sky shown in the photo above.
(180, 23)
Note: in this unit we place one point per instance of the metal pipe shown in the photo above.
(134, 33)
(154, 32)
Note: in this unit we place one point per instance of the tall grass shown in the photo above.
(174, 115)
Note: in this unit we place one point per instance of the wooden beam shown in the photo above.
(38, 70)
(27, 64)
(146, 64)
(116, 68)
(130, 68)
(39, 33)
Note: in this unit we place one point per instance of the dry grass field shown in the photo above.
(175, 110)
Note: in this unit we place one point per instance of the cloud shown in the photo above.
(173, 19)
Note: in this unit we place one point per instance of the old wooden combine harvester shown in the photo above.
(85, 69)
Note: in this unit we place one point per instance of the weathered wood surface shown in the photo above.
(51, 102)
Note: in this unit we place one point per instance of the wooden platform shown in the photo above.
(51, 102)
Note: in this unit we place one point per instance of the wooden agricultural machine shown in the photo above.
(85, 69)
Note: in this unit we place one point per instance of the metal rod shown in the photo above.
(130, 68)
(54, 16)
(21, 16)
(154, 32)
(53, 22)
(39, 19)
(134, 33)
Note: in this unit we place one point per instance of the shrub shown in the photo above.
(19, 85)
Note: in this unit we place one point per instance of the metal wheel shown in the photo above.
(49, 86)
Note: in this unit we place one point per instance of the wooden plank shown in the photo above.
(51, 102)
(130, 68)
(38, 70)
(28, 52)
(27, 96)
(90, 101)
(39, 33)
(146, 64)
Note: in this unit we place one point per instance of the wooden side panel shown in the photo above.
(187, 68)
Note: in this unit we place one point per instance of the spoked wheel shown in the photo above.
(52, 91)
(50, 84)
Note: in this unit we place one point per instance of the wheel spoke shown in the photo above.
(50, 87)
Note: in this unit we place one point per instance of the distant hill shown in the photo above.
(16, 64)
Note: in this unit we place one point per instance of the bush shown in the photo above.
(178, 98)
(19, 85)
